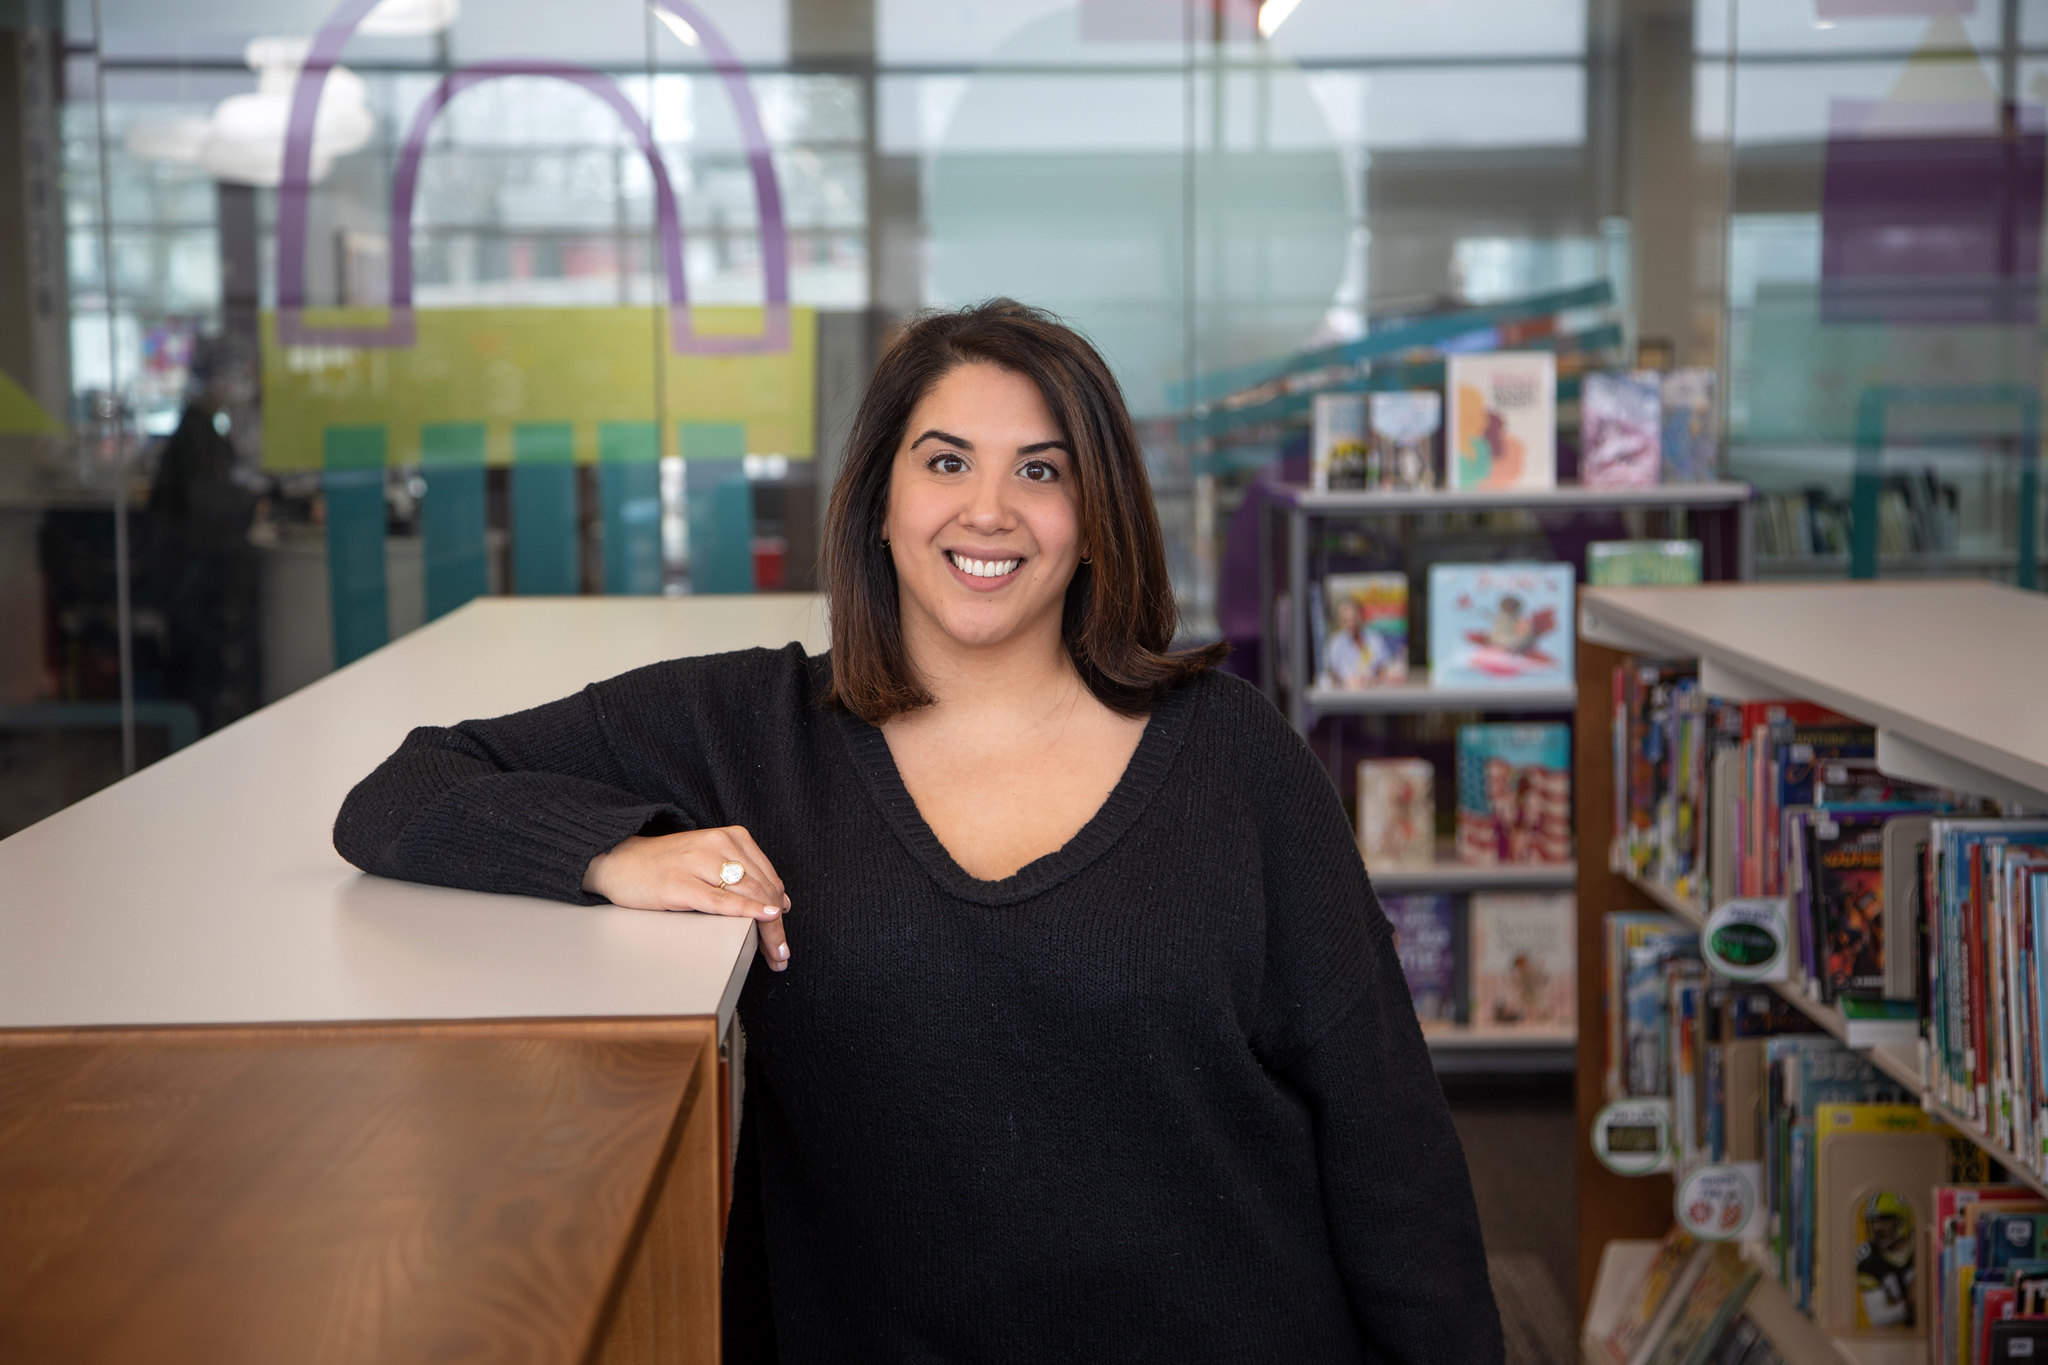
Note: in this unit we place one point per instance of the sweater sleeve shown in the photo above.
(519, 804)
(1340, 1029)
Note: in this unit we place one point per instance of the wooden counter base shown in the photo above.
(532, 1191)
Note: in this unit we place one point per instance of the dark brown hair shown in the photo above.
(1120, 614)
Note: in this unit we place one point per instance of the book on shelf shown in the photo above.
(1514, 794)
(1404, 430)
(1690, 437)
(1642, 563)
(1363, 641)
(1523, 954)
(1396, 812)
(1620, 425)
(1426, 941)
(1337, 450)
(1702, 1303)
(1501, 625)
(1501, 420)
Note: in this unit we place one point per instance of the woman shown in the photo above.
(1096, 1048)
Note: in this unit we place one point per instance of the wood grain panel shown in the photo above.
(341, 1195)
(1610, 1205)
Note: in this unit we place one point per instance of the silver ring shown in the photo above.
(730, 874)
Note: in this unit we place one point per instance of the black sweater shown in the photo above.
(1160, 1095)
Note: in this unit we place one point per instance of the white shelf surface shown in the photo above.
(1561, 498)
(1884, 653)
(1419, 693)
(205, 889)
(1460, 1049)
(1449, 875)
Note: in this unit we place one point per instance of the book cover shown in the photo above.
(1662, 1276)
(1847, 890)
(1503, 420)
(1878, 1167)
(1396, 812)
(1404, 429)
(1713, 1302)
(1620, 415)
(1514, 794)
(1337, 453)
(1425, 937)
(1501, 625)
(1691, 439)
(1365, 633)
(1523, 954)
(1642, 563)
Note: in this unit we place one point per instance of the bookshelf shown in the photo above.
(1949, 672)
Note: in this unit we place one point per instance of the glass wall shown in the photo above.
(319, 318)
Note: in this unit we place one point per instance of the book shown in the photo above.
(1642, 563)
(1337, 453)
(1425, 939)
(1905, 853)
(1502, 417)
(1662, 1275)
(1396, 812)
(1514, 794)
(1501, 625)
(1364, 641)
(1711, 1304)
(1403, 430)
(1620, 419)
(1523, 959)
(1847, 896)
(1690, 438)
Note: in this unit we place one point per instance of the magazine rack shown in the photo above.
(1949, 673)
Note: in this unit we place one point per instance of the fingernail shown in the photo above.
(782, 951)
(769, 912)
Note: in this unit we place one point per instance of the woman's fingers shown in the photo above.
(751, 854)
(774, 944)
(691, 892)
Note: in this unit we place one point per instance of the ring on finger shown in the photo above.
(731, 873)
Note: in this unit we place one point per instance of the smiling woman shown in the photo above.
(1098, 1047)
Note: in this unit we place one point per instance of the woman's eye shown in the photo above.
(946, 463)
(1038, 471)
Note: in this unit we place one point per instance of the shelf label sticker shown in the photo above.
(1745, 940)
(1718, 1202)
(1633, 1137)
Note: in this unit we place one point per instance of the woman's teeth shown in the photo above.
(983, 568)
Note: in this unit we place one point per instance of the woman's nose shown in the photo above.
(987, 506)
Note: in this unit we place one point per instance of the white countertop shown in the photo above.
(1953, 668)
(205, 889)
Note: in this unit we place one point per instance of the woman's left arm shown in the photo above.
(1341, 1031)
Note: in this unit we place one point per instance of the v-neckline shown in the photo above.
(1149, 763)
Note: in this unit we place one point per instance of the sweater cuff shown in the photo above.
(563, 837)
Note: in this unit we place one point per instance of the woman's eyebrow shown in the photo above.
(1039, 446)
(936, 435)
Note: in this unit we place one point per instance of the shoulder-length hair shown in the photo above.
(1120, 614)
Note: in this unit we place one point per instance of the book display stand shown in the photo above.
(1717, 514)
(1950, 675)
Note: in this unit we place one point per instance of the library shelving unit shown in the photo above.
(1949, 672)
(1718, 516)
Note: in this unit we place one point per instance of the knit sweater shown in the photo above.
(1160, 1095)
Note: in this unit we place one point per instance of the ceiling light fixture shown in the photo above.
(1273, 13)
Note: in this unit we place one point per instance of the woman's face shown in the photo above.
(983, 524)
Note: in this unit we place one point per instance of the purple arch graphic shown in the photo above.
(292, 329)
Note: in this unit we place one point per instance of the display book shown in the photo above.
(1639, 428)
(1375, 441)
(1514, 800)
(1490, 625)
(1853, 1172)
(1503, 963)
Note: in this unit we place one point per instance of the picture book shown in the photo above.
(1523, 954)
(1710, 1306)
(1846, 892)
(1878, 1167)
(1502, 416)
(1396, 812)
(1647, 1068)
(1404, 429)
(1642, 563)
(1337, 451)
(1691, 434)
(1365, 630)
(1619, 423)
(1514, 794)
(1501, 624)
(1622, 934)
(1662, 1276)
(1425, 939)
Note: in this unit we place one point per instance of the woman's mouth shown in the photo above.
(983, 572)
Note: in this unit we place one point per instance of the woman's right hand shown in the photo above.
(682, 872)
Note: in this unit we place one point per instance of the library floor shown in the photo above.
(1518, 1134)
